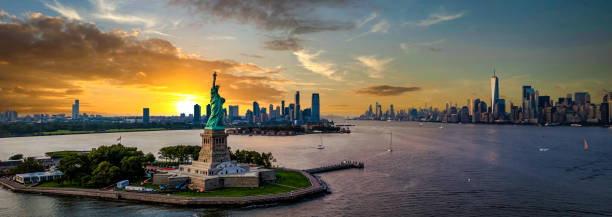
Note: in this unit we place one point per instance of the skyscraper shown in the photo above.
(75, 109)
(494, 91)
(298, 112)
(197, 113)
(315, 113)
(207, 111)
(283, 108)
(256, 110)
(582, 98)
(145, 115)
(233, 112)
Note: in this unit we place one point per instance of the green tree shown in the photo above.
(149, 158)
(131, 167)
(16, 157)
(104, 174)
(74, 166)
(29, 165)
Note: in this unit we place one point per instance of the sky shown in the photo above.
(117, 57)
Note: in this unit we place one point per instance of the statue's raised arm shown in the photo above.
(214, 78)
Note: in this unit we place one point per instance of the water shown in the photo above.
(460, 170)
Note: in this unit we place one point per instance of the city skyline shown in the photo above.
(160, 55)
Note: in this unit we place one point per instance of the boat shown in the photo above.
(586, 145)
(321, 145)
(390, 142)
(441, 126)
(576, 125)
(420, 124)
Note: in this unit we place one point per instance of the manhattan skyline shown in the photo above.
(160, 55)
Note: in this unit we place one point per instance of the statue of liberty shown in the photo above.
(215, 121)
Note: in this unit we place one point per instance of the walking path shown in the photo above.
(315, 188)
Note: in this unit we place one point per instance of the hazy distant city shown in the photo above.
(535, 109)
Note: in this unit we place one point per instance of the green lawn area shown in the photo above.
(284, 179)
(61, 132)
(135, 129)
(64, 184)
(60, 154)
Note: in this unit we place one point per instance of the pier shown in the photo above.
(342, 165)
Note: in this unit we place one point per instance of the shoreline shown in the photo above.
(316, 188)
(134, 131)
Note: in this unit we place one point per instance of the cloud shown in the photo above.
(437, 18)
(290, 43)
(252, 55)
(366, 20)
(376, 66)
(51, 60)
(220, 37)
(385, 90)
(410, 47)
(382, 26)
(107, 11)
(64, 11)
(308, 61)
(291, 17)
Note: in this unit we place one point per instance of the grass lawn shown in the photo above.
(286, 181)
(60, 154)
(135, 129)
(61, 132)
(64, 184)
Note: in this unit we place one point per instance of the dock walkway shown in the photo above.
(347, 164)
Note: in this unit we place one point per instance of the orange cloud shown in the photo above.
(48, 61)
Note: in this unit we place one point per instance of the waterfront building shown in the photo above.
(75, 109)
(476, 111)
(494, 90)
(145, 115)
(197, 114)
(315, 117)
(256, 111)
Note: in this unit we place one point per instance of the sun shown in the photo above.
(185, 105)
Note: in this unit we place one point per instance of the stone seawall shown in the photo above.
(315, 189)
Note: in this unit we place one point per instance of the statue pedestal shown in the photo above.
(214, 151)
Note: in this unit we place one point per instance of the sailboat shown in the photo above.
(586, 145)
(390, 142)
(321, 145)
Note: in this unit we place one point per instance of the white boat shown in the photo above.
(441, 126)
(576, 125)
(390, 142)
(321, 145)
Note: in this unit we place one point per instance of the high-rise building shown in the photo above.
(145, 115)
(582, 98)
(494, 91)
(197, 114)
(476, 111)
(233, 112)
(291, 112)
(283, 108)
(10, 115)
(256, 110)
(315, 116)
(391, 112)
(605, 109)
(75, 109)
(207, 111)
(298, 112)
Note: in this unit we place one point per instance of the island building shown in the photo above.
(214, 169)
